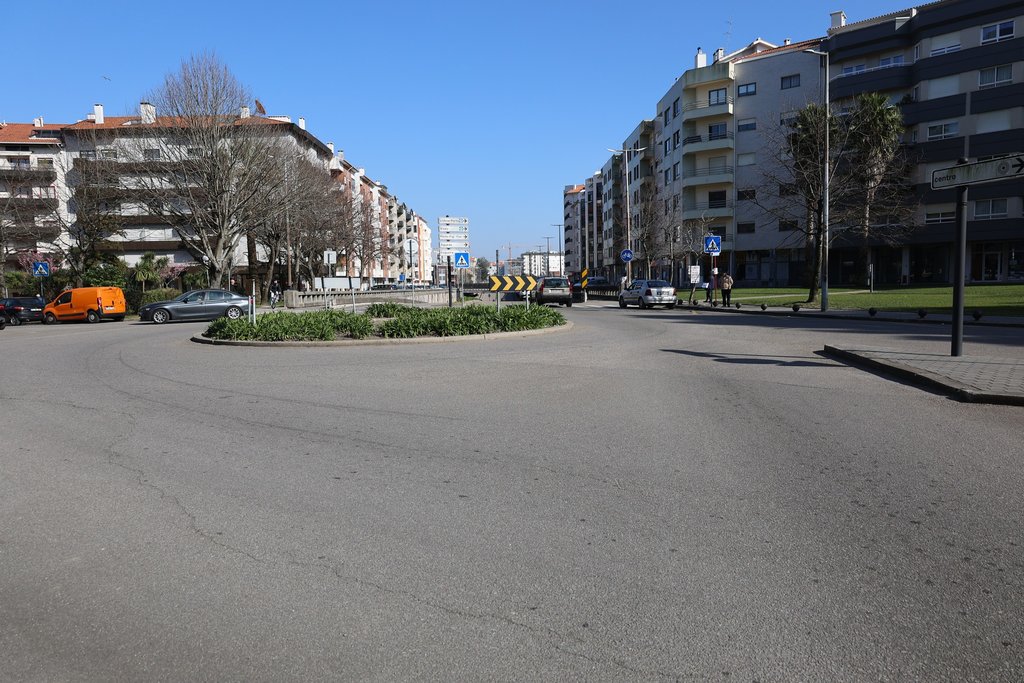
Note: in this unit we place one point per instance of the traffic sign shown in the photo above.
(713, 245)
(40, 269)
(583, 278)
(979, 172)
(626, 255)
(512, 283)
(462, 259)
(330, 258)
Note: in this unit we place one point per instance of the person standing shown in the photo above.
(726, 281)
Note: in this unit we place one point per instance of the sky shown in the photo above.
(484, 109)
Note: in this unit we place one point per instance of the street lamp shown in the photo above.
(629, 236)
(547, 257)
(826, 179)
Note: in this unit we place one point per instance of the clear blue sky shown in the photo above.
(468, 108)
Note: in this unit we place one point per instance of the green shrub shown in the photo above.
(388, 309)
(285, 326)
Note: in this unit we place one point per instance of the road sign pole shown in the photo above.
(957, 345)
(449, 278)
(497, 295)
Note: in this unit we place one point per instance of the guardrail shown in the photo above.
(337, 298)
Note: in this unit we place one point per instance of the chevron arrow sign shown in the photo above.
(513, 283)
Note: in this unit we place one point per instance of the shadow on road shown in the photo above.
(751, 359)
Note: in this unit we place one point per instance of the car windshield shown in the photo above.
(186, 295)
(556, 282)
(657, 283)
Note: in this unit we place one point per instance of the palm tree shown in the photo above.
(146, 270)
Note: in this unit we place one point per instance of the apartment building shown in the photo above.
(582, 224)
(956, 68)
(32, 179)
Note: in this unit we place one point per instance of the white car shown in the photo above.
(647, 293)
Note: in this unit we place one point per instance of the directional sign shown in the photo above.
(626, 255)
(40, 269)
(462, 259)
(713, 245)
(979, 172)
(512, 283)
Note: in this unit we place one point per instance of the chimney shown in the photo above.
(701, 60)
(97, 113)
(719, 53)
(37, 122)
(330, 146)
(302, 123)
(147, 112)
(838, 19)
(243, 113)
(787, 41)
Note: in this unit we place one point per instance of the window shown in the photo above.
(917, 52)
(717, 131)
(675, 108)
(151, 154)
(664, 117)
(940, 217)
(675, 202)
(666, 207)
(744, 228)
(787, 226)
(717, 96)
(994, 77)
(792, 81)
(667, 147)
(746, 159)
(996, 32)
(675, 140)
(942, 131)
(987, 209)
(894, 60)
(787, 118)
(949, 42)
(716, 199)
(746, 195)
(44, 163)
(746, 89)
(667, 171)
(746, 124)
(87, 154)
(675, 171)
(847, 70)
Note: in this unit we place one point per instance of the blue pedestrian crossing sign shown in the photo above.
(713, 245)
(40, 269)
(462, 259)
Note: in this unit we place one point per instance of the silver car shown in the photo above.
(198, 304)
(647, 293)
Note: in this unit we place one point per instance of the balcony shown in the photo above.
(702, 109)
(709, 143)
(721, 71)
(709, 176)
(36, 204)
(25, 172)
(713, 209)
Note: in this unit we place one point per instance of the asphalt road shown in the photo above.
(649, 495)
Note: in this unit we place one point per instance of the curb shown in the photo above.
(924, 378)
(199, 339)
(754, 309)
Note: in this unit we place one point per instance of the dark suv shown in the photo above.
(553, 290)
(22, 309)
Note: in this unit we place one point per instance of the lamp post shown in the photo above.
(547, 257)
(629, 236)
(826, 180)
(561, 249)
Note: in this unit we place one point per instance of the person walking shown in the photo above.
(726, 281)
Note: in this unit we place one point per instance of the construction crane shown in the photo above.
(510, 245)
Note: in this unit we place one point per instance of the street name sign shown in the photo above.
(713, 245)
(512, 283)
(978, 172)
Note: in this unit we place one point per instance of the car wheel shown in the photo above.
(14, 321)
(568, 304)
(233, 312)
(671, 306)
(161, 316)
(92, 316)
(622, 302)
(49, 319)
(641, 303)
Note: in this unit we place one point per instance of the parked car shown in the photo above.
(197, 304)
(22, 309)
(553, 290)
(91, 304)
(647, 293)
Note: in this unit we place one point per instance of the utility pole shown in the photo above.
(547, 257)
(561, 249)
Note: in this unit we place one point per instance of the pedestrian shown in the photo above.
(275, 294)
(726, 281)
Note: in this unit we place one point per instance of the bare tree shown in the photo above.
(207, 165)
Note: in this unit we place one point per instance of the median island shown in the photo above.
(384, 321)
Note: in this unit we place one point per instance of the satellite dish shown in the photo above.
(260, 109)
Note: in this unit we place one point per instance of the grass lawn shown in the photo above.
(989, 299)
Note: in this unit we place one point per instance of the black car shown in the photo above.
(197, 304)
(22, 309)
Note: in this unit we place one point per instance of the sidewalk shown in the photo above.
(976, 379)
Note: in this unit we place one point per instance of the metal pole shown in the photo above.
(547, 257)
(449, 279)
(957, 346)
